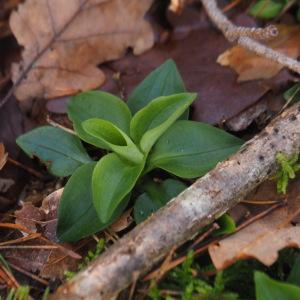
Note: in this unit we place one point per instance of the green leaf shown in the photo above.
(163, 81)
(77, 217)
(152, 121)
(270, 289)
(113, 138)
(156, 196)
(267, 9)
(292, 95)
(113, 179)
(96, 104)
(294, 276)
(190, 149)
(227, 225)
(61, 151)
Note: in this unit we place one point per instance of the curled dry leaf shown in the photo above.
(123, 222)
(250, 66)
(47, 263)
(264, 238)
(177, 6)
(49, 208)
(64, 41)
(3, 156)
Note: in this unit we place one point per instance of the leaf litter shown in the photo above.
(64, 41)
(215, 105)
(264, 238)
(250, 66)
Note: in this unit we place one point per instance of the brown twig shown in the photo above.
(231, 5)
(55, 124)
(168, 265)
(163, 269)
(201, 250)
(29, 247)
(28, 169)
(15, 226)
(34, 277)
(260, 202)
(8, 278)
(202, 237)
(21, 240)
(260, 215)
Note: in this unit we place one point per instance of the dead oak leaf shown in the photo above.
(65, 40)
(250, 66)
(47, 263)
(264, 238)
(57, 264)
(29, 216)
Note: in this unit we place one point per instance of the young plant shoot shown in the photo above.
(150, 131)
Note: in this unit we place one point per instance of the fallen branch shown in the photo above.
(207, 199)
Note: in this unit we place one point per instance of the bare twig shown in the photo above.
(200, 204)
(246, 37)
(57, 125)
(259, 216)
(26, 168)
(34, 277)
(168, 265)
(173, 264)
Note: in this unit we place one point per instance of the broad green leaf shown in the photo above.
(77, 217)
(113, 179)
(227, 225)
(156, 196)
(163, 81)
(292, 95)
(61, 151)
(113, 138)
(270, 289)
(267, 9)
(190, 149)
(152, 121)
(294, 276)
(96, 104)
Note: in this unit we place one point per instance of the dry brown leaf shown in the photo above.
(50, 209)
(177, 6)
(57, 264)
(264, 238)
(123, 222)
(250, 66)
(47, 263)
(64, 41)
(29, 216)
(3, 156)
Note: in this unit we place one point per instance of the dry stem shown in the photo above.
(247, 37)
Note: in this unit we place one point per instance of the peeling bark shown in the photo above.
(204, 201)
